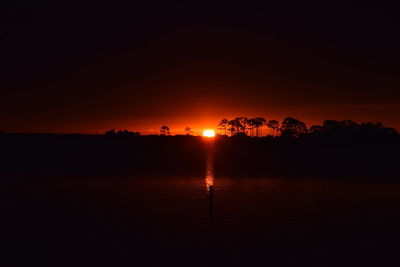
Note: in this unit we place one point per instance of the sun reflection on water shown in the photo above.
(209, 179)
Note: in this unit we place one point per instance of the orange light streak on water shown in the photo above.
(209, 179)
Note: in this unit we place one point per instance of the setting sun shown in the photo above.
(209, 133)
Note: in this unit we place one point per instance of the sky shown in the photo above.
(91, 67)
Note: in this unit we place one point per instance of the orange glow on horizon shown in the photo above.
(209, 133)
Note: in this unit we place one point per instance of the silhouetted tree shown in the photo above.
(255, 124)
(243, 124)
(240, 125)
(351, 131)
(316, 129)
(188, 130)
(165, 130)
(234, 126)
(252, 125)
(340, 129)
(127, 133)
(292, 127)
(260, 122)
(343, 126)
(121, 133)
(223, 125)
(110, 132)
(273, 125)
(374, 130)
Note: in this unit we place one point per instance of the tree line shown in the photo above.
(245, 126)
(289, 127)
(294, 128)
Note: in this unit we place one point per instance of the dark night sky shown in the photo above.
(91, 67)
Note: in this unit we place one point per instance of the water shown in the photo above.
(157, 221)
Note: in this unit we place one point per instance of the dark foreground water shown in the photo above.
(169, 222)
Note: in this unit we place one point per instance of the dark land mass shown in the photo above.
(349, 157)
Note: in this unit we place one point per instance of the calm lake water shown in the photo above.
(159, 221)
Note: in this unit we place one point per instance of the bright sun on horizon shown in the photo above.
(209, 133)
